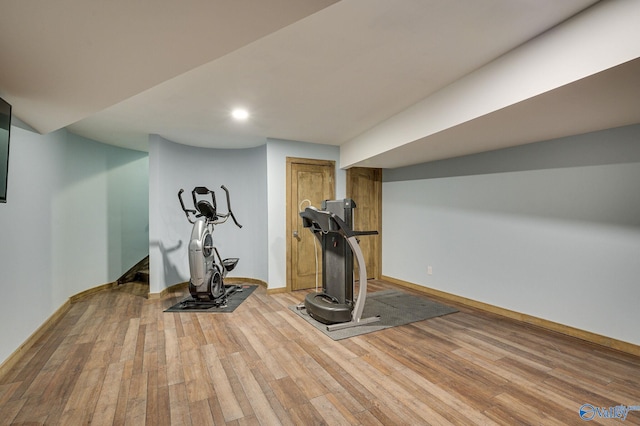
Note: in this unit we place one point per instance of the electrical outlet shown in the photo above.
(429, 270)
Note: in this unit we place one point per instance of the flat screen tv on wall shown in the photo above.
(5, 133)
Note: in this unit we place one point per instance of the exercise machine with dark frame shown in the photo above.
(206, 284)
(335, 304)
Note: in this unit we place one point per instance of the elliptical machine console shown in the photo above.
(206, 284)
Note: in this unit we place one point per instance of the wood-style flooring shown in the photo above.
(116, 358)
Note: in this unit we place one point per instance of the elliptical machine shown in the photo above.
(206, 285)
(335, 304)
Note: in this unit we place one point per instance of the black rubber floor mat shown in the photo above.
(233, 301)
(394, 308)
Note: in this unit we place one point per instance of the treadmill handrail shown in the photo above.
(325, 221)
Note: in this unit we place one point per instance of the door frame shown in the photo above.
(377, 172)
(289, 219)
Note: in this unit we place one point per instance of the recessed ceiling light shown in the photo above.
(240, 114)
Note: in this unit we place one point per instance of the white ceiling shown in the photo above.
(315, 71)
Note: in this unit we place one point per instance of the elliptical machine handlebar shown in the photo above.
(205, 208)
(230, 213)
(184, 209)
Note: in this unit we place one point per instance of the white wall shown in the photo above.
(277, 153)
(599, 38)
(242, 171)
(70, 223)
(550, 229)
(99, 212)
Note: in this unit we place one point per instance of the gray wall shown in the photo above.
(256, 179)
(242, 171)
(550, 229)
(76, 218)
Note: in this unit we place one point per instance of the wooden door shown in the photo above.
(309, 182)
(364, 186)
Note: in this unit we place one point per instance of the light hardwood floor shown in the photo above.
(116, 358)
